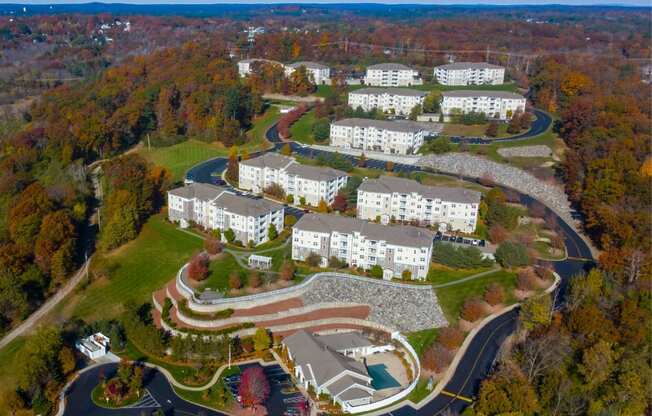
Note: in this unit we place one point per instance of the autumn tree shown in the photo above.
(198, 267)
(492, 129)
(234, 280)
(254, 279)
(254, 388)
(472, 310)
(436, 358)
(287, 270)
(213, 245)
(323, 206)
(450, 337)
(340, 202)
(494, 294)
(262, 340)
(507, 391)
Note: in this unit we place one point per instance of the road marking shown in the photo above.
(578, 258)
(457, 396)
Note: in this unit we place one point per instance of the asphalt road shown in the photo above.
(465, 383)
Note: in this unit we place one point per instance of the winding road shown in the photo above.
(473, 367)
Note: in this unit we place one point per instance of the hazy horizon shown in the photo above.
(631, 3)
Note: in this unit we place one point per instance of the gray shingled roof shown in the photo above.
(480, 93)
(246, 206)
(469, 65)
(390, 184)
(402, 235)
(325, 363)
(344, 340)
(252, 60)
(315, 173)
(392, 91)
(269, 160)
(390, 66)
(353, 394)
(201, 191)
(308, 64)
(403, 125)
(344, 385)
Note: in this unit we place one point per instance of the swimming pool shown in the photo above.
(380, 377)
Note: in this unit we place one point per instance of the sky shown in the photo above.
(448, 2)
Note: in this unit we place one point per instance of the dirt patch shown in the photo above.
(360, 312)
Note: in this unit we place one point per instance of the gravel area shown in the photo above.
(526, 151)
(470, 165)
(404, 308)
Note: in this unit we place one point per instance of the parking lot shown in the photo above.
(279, 403)
(459, 240)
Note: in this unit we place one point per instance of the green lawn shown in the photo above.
(219, 271)
(420, 391)
(182, 156)
(212, 397)
(137, 269)
(421, 340)
(9, 368)
(302, 130)
(441, 274)
(549, 138)
(452, 298)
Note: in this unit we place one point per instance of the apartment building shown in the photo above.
(392, 137)
(495, 104)
(392, 75)
(400, 199)
(320, 74)
(470, 73)
(389, 100)
(214, 207)
(364, 244)
(313, 183)
(245, 66)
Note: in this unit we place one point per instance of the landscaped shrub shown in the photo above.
(229, 235)
(450, 338)
(287, 270)
(459, 256)
(436, 358)
(275, 190)
(272, 232)
(254, 279)
(321, 129)
(213, 246)
(544, 273)
(234, 281)
(289, 199)
(183, 307)
(511, 254)
(335, 263)
(376, 271)
(406, 275)
(313, 260)
(472, 310)
(495, 294)
(289, 220)
(497, 234)
(526, 280)
(198, 268)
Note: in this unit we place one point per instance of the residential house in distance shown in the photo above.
(321, 74)
(245, 66)
(323, 362)
(469, 73)
(313, 183)
(392, 75)
(94, 346)
(214, 208)
(389, 100)
(392, 137)
(407, 200)
(364, 244)
(495, 104)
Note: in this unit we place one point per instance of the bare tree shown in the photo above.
(539, 354)
(633, 267)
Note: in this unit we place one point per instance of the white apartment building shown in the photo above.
(469, 73)
(392, 75)
(320, 74)
(495, 104)
(214, 207)
(392, 137)
(364, 244)
(400, 199)
(313, 183)
(389, 100)
(245, 66)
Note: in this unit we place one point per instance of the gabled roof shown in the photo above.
(321, 362)
(315, 173)
(406, 92)
(244, 206)
(469, 65)
(401, 235)
(201, 191)
(269, 160)
(344, 340)
(307, 64)
(389, 66)
(402, 126)
(481, 93)
(391, 184)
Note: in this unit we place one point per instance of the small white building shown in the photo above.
(392, 75)
(407, 200)
(320, 74)
(470, 73)
(257, 261)
(214, 208)
(391, 137)
(500, 105)
(389, 100)
(94, 346)
(313, 183)
(364, 244)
